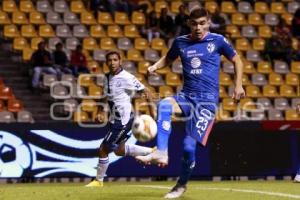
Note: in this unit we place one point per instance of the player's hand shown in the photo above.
(152, 69)
(238, 93)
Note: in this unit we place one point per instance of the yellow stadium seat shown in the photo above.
(160, 4)
(141, 106)
(9, 6)
(295, 67)
(35, 42)
(246, 80)
(36, 18)
(247, 104)
(143, 67)
(222, 92)
(264, 67)
(175, 6)
(275, 79)
(11, 31)
(114, 31)
(19, 18)
(277, 7)
(90, 43)
(173, 79)
(131, 31)
(87, 18)
(134, 55)
(233, 30)
(287, 91)
(27, 52)
(27, 6)
(138, 18)
(165, 91)
(270, 91)
(46, 31)
(95, 91)
(228, 7)
(93, 66)
(85, 80)
(4, 18)
(158, 44)
(255, 19)
(105, 18)
(211, 6)
(164, 70)
(242, 44)
(81, 116)
(20, 43)
(292, 79)
(291, 115)
(225, 79)
(258, 44)
(295, 43)
(28, 31)
(141, 78)
(253, 91)
(77, 6)
(107, 44)
(248, 67)
(261, 7)
(229, 104)
(223, 115)
(87, 55)
(287, 17)
(141, 43)
(121, 18)
(97, 31)
(265, 31)
(238, 19)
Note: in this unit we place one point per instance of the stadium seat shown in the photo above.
(14, 105)
(225, 79)
(87, 55)
(60, 91)
(81, 117)
(124, 43)
(253, 56)
(143, 67)
(270, 91)
(11, 31)
(265, 31)
(295, 103)
(46, 31)
(71, 43)
(288, 18)
(151, 55)
(248, 67)
(28, 31)
(173, 79)
(258, 115)
(70, 18)
(61, 6)
(44, 6)
(158, 5)
(54, 18)
(97, 31)
(24, 116)
(155, 80)
(281, 67)
(63, 31)
(20, 43)
(175, 6)
(121, 18)
(35, 41)
(211, 6)
(287, 91)
(138, 18)
(100, 80)
(293, 6)
(275, 79)
(95, 91)
(278, 7)
(26, 6)
(228, 67)
(229, 104)
(281, 104)
(77, 6)
(242, 44)
(80, 31)
(70, 105)
(271, 19)
(158, 44)
(238, 19)
(93, 66)
(245, 80)
(249, 31)
(85, 80)
(2, 106)
(223, 115)
(19, 18)
(222, 92)
(274, 114)
(87, 18)
(245, 7)
(36, 18)
(99, 55)
(261, 7)
(247, 104)
(105, 18)
(295, 67)
(90, 43)
(27, 52)
(228, 7)
(253, 91)
(258, 44)
(114, 31)
(265, 103)
(141, 106)
(6, 93)
(107, 43)
(131, 31)
(141, 43)
(264, 67)
(255, 19)
(291, 115)
(165, 91)
(233, 31)
(4, 18)
(7, 117)
(177, 67)
(68, 78)
(259, 79)
(9, 6)
(89, 105)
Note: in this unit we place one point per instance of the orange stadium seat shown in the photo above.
(242, 44)
(114, 31)
(173, 79)
(77, 6)
(238, 19)
(288, 18)
(292, 79)
(233, 30)
(229, 104)
(90, 43)
(265, 31)
(14, 105)
(225, 79)
(141, 106)
(228, 7)
(97, 31)
(158, 44)
(6, 93)
(20, 43)
(261, 7)
(270, 91)
(295, 67)
(275, 79)
(138, 18)
(223, 115)
(35, 41)
(19, 18)
(143, 67)
(248, 67)
(11, 31)
(264, 67)
(291, 115)
(27, 52)
(95, 91)
(141, 43)
(81, 116)
(9, 6)
(258, 44)
(278, 7)
(255, 19)
(27, 6)
(165, 91)
(287, 91)
(175, 6)
(131, 31)
(253, 91)
(85, 80)
(246, 80)
(46, 31)
(134, 55)
(107, 43)
(87, 18)
(105, 18)
(222, 92)
(36, 18)
(160, 4)
(4, 18)
(121, 18)
(211, 6)
(247, 104)
(28, 31)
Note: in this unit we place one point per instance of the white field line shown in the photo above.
(267, 193)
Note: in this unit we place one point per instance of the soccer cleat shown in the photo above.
(95, 183)
(156, 157)
(297, 178)
(176, 192)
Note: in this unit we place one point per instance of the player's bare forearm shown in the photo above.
(238, 91)
(162, 62)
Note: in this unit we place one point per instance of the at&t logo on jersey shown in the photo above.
(196, 63)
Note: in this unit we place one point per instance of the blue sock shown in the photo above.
(298, 172)
(188, 162)
(163, 124)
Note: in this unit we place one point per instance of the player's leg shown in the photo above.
(132, 150)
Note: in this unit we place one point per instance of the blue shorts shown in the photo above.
(117, 134)
(199, 116)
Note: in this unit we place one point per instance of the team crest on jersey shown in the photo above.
(210, 47)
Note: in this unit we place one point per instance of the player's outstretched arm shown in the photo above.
(162, 62)
(238, 90)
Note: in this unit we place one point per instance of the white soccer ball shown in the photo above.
(144, 128)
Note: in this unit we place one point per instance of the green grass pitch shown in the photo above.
(197, 190)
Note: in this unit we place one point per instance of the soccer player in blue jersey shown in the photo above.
(200, 56)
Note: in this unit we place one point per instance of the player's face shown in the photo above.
(114, 63)
(199, 27)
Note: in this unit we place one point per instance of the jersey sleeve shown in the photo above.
(174, 51)
(133, 83)
(226, 48)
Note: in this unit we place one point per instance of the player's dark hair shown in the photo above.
(199, 12)
(113, 53)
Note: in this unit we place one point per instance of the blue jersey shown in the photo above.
(201, 62)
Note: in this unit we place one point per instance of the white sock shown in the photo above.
(136, 150)
(102, 168)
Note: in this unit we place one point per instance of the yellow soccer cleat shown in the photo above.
(95, 183)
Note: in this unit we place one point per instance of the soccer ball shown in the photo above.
(144, 128)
